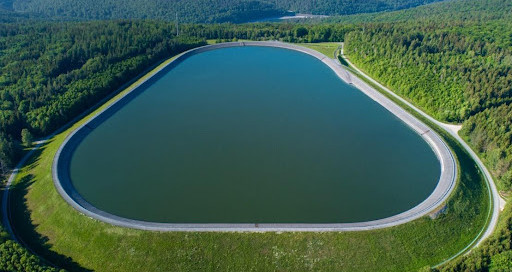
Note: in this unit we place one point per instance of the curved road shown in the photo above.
(498, 203)
(60, 169)
(440, 194)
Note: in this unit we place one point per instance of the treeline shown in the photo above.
(451, 70)
(340, 7)
(200, 11)
(271, 31)
(490, 133)
(455, 10)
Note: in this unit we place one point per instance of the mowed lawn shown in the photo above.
(71, 240)
(326, 48)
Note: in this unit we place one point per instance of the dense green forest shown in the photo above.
(339, 7)
(490, 133)
(451, 10)
(188, 11)
(452, 70)
(202, 11)
(296, 33)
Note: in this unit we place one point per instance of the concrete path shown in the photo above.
(439, 195)
(498, 203)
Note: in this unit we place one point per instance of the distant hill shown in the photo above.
(449, 10)
(343, 7)
(205, 11)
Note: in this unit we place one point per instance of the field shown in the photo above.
(326, 48)
(53, 229)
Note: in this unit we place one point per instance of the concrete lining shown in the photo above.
(446, 184)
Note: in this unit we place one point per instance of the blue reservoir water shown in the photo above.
(253, 134)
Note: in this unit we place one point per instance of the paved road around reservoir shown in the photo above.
(439, 195)
(498, 203)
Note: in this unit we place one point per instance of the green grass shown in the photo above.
(326, 48)
(63, 236)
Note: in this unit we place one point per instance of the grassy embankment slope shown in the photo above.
(326, 48)
(62, 235)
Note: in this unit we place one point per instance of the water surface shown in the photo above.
(253, 134)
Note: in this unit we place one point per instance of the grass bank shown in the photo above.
(326, 48)
(53, 229)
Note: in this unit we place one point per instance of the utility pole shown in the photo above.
(177, 29)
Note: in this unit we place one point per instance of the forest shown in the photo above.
(470, 64)
(286, 32)
(490, 133)
(337, 7)
(199, 11)
(446, 11)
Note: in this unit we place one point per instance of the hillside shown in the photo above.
(450, 10)
(204, 11)
(342, 7)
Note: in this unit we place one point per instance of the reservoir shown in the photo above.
(251, 135)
